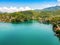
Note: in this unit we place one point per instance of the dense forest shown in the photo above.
(42, 16)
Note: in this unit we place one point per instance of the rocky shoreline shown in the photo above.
(56, 28)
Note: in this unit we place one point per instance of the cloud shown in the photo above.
(14, 9)
(47, 5)
(58, 2)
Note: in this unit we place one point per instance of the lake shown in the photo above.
(27, 33)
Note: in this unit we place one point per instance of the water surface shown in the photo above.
(27, 34)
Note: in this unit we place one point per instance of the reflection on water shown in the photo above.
(56, 34)
(32, 33)
(58, 37)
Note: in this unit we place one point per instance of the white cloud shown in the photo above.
(23, 9)
(14, 9)
(47, 5)
(58, 2)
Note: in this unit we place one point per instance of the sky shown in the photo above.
(22, 5)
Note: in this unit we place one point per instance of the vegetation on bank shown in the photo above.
(41, 16)
(18, 16)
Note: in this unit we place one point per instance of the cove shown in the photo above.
(29, 33)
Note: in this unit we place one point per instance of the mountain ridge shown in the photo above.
(52, 8)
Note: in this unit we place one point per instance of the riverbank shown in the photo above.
(42, 17)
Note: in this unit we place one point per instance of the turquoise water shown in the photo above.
(27, 34)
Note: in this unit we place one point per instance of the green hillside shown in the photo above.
(42, 16)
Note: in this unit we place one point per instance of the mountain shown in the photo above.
(52, 8)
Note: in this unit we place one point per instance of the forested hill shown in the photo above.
(45, 14)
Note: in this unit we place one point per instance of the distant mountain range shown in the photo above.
(52, 8)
